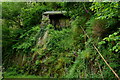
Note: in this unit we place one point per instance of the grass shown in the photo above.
(15, 75)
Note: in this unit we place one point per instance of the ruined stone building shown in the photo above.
(56, 18)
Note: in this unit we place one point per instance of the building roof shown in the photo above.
(54, 12)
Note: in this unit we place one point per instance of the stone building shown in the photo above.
(56, 18)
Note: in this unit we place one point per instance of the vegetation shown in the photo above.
(30, 50)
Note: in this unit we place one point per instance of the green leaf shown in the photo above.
(102, 42)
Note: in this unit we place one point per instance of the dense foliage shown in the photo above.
(42, 51)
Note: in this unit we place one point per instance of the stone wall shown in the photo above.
(45, 20)
(58, 21)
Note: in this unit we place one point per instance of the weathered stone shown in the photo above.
(56, 18)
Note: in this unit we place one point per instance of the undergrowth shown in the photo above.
(45, 52)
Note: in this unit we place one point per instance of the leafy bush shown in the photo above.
(112, 42)
(105, 10)
(60, 41)
(27, 40)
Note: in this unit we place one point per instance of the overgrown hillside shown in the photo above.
(88, 48)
